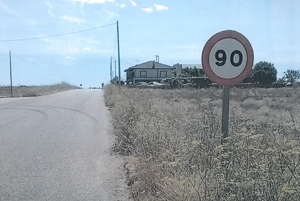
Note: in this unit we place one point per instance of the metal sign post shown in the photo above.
(227, 59)
(225, 111)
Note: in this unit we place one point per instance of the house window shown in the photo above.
(143, 73)
(163, 74)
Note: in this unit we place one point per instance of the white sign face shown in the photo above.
(228, 58)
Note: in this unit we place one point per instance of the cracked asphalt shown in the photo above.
(57, 147)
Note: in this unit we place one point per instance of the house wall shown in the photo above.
(152, 73)
(129, 75)
(178, 70)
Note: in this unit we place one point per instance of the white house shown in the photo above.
(148, 72)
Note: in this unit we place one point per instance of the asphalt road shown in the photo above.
(57, 147)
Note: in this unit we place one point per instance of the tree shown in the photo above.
(291, 76)
(249, 78)
(264, 74)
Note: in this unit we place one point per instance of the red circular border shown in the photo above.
(209, 45)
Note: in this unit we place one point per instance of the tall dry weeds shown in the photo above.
(33, 91)
(175, 137)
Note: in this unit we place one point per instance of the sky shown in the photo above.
(84, 35)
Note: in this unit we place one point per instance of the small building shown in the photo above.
(188, 70)
(149, 71)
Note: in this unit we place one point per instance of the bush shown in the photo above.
(264, 74)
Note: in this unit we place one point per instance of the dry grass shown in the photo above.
(175, 140)
(31, 91)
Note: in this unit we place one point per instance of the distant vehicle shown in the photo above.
(154, 84)
(141, 84)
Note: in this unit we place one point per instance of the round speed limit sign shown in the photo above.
(227, 58)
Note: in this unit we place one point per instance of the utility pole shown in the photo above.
(157, 58)
(11, 92)
(119, 53)
(115, 68)
(110, 68)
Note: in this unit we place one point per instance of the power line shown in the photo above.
(57, 35)
(123, 62)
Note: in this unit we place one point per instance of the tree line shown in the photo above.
(264, 74)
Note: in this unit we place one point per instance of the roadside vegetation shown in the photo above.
(31, 91)
(172, 142)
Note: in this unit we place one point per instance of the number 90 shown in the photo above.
(221, 58)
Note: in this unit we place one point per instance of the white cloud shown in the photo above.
(50, 7)
(82, 9)
(87, 49)
(72, 19)
(93, 1)
(111, 14)
(93, 41)
(160, 7)
(17, 15)
(48, 4)
(123, 5)
(104, 51)
(70, 57)
(72, 50)
(148, 10)
(191, 46)
(133, 3)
